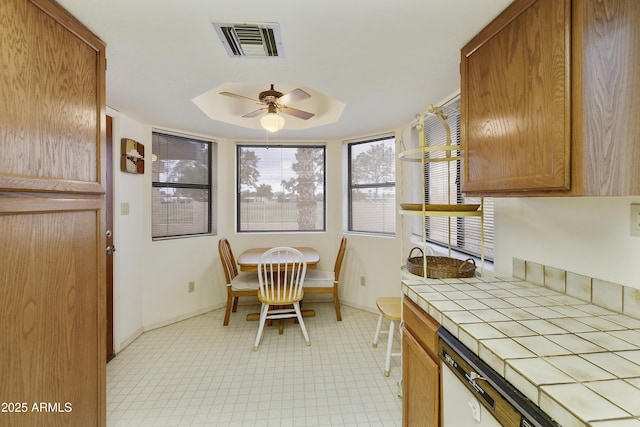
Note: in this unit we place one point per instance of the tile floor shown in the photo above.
(199, 373)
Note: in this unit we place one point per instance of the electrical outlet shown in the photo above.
(124, 208)
(363, 281)
(635, 219)
(192, 286)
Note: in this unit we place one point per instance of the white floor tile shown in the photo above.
(200, 373)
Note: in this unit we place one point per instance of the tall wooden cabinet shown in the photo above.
(420, 368)
(52, 251)
(549, 94)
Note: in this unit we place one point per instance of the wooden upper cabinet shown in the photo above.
(549, 105)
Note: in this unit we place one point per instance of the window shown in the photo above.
(182, 191)
(464, 232)
(280, 188)
(372, 186)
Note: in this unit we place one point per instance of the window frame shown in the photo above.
(351, 186)
(208, 187)
(238, 189)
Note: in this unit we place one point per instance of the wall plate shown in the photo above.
(634, 219)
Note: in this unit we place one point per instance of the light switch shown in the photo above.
(124, 208)
(635, 219)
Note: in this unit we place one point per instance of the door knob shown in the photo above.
(111, 249)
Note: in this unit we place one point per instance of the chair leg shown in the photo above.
(377, 335)
(387, 362)
(336, 301)
(296, 307)
(263, 318)
(227, 312)
(235, 303)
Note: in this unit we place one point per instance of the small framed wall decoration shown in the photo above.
(132, 156)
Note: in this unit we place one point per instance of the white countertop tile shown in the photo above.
(572, 325)
(542, 327)
(478, 294)
(575, 344)
(521, 302)
(496, 303)
(516, 313)
(542, 346)
(607, 341)
(569, 311)
(623, 320)
(627, 422)
(445, 305)
(580, 401)
(619, 392)
(533, 372)
(490, 315)
(612, 362)
(472, 304)
(461, 317)
(513, 329)
(578, 361)
(496, 351)
(543, 312)
(632, 337)
(632, 355)
(594, 309)
(602, 324)
(579, 368)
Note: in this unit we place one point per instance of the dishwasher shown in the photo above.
(474, 395)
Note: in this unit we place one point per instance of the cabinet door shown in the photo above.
(421, 385)
(515, 100)
(52, 251)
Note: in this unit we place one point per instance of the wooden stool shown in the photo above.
(390, 308)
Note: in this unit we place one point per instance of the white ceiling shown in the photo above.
(385, 60)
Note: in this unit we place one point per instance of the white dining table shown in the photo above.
(249, 259)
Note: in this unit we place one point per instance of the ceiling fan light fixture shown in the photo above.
(272, 122)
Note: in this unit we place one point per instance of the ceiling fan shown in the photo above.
(276, 101)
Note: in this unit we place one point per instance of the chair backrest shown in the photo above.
(281, 273)
(339, 258)
(228, 261)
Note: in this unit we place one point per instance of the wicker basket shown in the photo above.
(440, 267)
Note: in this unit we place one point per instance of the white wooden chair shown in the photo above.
(243, 284)
(318, 281)
(281, 272)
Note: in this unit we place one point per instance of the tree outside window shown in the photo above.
(372, 186)
(281, 188)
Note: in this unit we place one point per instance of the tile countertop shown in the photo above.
(579, 362)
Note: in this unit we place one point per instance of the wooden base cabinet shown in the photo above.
(549, 94)
(420, 368)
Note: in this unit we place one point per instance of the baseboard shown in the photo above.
(176, 319)
(180, 318)
(360, 307)
(129, 340)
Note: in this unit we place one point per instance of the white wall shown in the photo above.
(585, 235)
(151, 277)
(128, 261)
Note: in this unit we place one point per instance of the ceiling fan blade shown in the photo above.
(254, 113)
(235, 95)
(304, 115)
(293, 96)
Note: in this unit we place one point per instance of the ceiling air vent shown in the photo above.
(251, 40)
